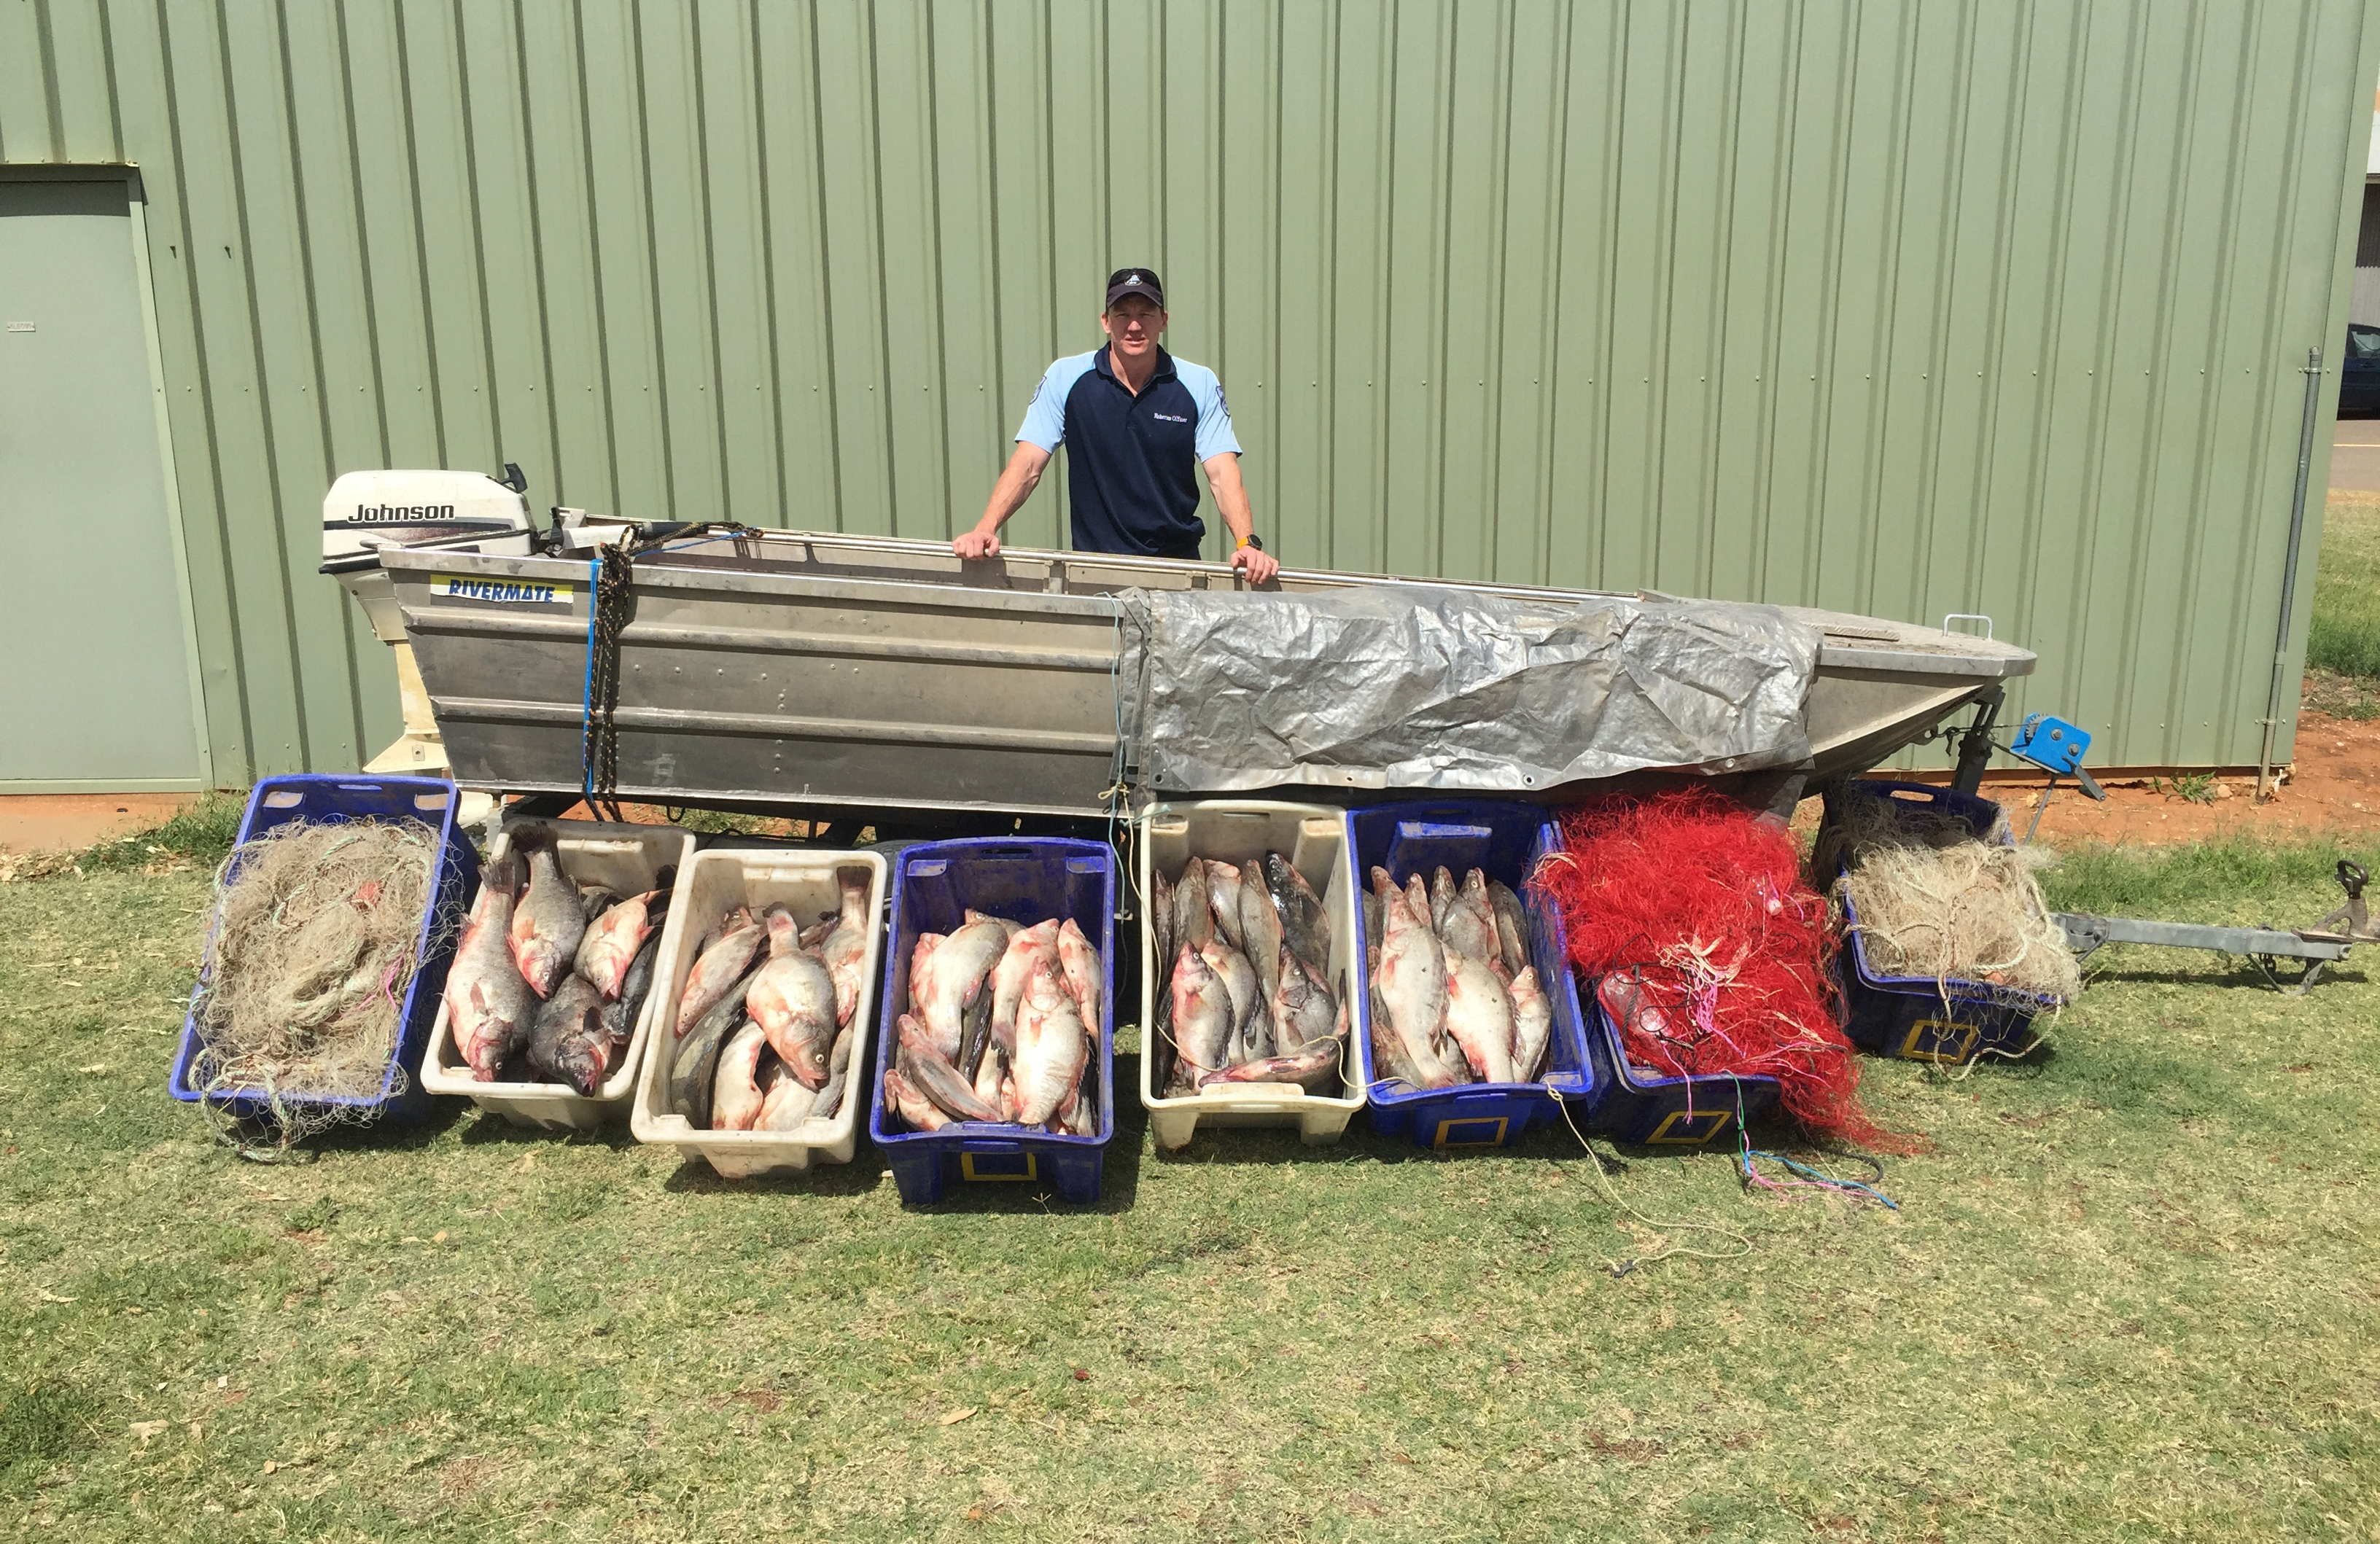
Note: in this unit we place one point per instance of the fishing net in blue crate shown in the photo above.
(316, 937)
(1929, 897)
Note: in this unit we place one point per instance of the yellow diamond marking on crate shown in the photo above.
(1690, 1137)
(1032, 1168)
(1943, 1033)
(1446, 1126)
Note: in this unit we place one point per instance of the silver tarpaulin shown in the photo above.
(1421, 686)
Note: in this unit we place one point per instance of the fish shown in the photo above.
(1371, 916)
(1441, 896)
(1222, 881)
(735, 1096)
(990, 1070)
(612, 939)
(1078, 1118)
(568, 1042)
(1203, 1017)
(1468, 925)
(1011, 928)
(1532, 1023)
(844, 948)
(489, 1007)
(1412, 977)
(1511, 926)
(1008, 978)
(735, 917)
(1302, 1008)
(1052, 1046)
(946, 985)
(1389, 1063)
(1314, 1068)
(596, 899)
(694, 1063)
(913, 1105)
(1479, 1016)
(548, 920)
(1305, 923)
(1260, 930)
(1194, 919)
(1158, 1042)
(619, 1013)
(1078, 959)
(923, 1064)
(925, 946)
(1416, 901)
(785, 1104)
(975, 1035)
(791, 1000)
(1239, 979)
(718, 968)
(838, 1078)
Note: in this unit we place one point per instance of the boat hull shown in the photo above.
(849, 673)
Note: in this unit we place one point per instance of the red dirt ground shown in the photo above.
(2335, 786)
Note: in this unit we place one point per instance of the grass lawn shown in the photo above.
(2131, 1294)
(2344, 636)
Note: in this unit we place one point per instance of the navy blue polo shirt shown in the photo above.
(1132, 465)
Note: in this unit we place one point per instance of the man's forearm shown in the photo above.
(1008, 496)
(1232, 497)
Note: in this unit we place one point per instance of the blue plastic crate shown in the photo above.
(1641, 1106)
(1505, 839)
(1918, 1018)
(1023, 879)
(333, 800)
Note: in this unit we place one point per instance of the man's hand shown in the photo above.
(1256, 563)
(977, 544)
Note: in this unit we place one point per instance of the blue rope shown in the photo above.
(1812, 1174)
(587, 696)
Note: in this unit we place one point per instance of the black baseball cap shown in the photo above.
(1142, 282)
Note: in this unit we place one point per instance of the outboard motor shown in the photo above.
(368, 512)
(450, 511)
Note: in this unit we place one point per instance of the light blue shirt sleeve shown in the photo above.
(1215, 436)
(1045, 416)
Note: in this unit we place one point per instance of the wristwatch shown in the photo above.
(1251, 540)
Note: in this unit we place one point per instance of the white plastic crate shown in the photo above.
(1314, 839)
(715, 881)
(624, 859)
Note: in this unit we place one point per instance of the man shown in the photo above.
(1138, 420)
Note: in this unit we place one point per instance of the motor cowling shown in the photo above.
(365, 511)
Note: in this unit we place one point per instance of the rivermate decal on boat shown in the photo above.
(532, 592)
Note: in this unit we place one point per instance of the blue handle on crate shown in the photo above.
(991, 1148)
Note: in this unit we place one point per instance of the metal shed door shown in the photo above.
(95, 668)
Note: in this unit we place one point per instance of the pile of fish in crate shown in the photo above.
(723, 998)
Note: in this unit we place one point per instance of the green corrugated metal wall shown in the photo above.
(1897, 308)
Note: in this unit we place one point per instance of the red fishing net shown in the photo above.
(1712, 954)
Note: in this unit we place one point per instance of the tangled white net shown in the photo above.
(317, 935)
(1933, 900)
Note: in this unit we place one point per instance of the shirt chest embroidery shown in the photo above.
(1171, 418)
